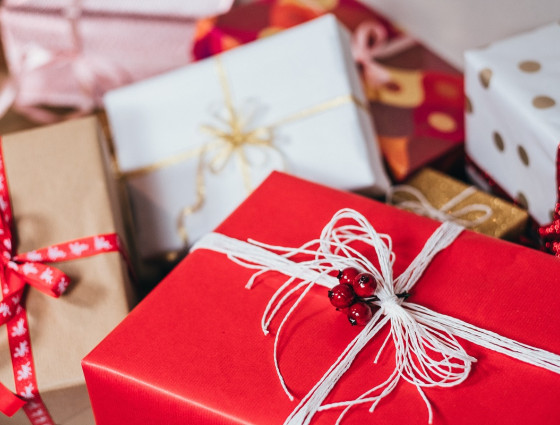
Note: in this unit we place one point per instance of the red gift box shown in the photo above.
(194, 352)
(418, 111)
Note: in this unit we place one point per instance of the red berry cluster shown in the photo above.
(354, 295)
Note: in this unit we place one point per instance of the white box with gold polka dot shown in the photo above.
(513, 116)
(193, 143)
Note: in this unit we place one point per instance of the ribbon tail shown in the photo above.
(198, 203)
(376, 75)
(9, 402)
(311, 403)
(487, 339)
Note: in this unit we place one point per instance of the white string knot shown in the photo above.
(391, 306)
(427, 352)
(421, 206)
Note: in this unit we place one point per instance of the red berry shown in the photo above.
(364, 285)
(342, 295)
(360, 313)
(348, 275)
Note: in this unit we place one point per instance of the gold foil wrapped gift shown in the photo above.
(439, 196)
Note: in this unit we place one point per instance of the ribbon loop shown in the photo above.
(370, 41)
(9, 402)
(9, 306)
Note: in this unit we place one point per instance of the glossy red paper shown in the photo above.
(193, 352)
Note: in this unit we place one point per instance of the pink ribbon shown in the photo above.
(94, 74)
(369, 42)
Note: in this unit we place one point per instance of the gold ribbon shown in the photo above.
(229, 142)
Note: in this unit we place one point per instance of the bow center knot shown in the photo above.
(237, 137)
(391, 305)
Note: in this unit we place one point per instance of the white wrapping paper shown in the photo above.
(272, 78)
(513, 129)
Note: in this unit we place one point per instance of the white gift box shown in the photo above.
(513, 122)
(305, 75)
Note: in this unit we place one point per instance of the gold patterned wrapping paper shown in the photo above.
(506, 222)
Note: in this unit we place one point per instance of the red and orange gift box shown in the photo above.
(194, 351)
(64, 283)
(417, 106)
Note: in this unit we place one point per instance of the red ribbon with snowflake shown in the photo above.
(18, 270)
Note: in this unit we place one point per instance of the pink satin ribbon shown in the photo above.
(370, 42)
(94, 74)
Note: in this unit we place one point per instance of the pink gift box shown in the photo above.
(69, 53)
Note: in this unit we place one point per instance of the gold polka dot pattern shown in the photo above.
(442, 122)
(543, 102)
(468, 105)
(485, 75)
(529, 66)
(522, 201)
(523, 155)
(498, 141)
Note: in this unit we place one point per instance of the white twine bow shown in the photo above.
(427, 351)
(421, 206)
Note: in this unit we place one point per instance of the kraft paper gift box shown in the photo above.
(429, 191)
(418, 112)
(513, 125)
(60, 191)
(206, 360)
(178, 146)
(66, 53)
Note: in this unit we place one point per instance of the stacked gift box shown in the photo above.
(321, 220)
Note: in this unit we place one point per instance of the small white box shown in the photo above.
(302, 69)
(513, 122)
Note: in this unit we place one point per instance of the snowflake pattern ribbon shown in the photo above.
(17, 270)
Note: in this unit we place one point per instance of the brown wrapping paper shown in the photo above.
(507, 220)
(61, 190)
